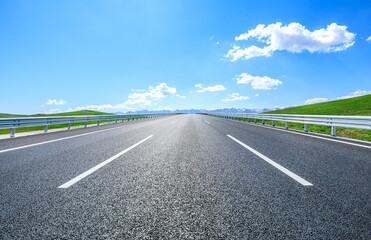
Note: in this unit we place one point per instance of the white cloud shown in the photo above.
(199, 85)
(235, 97)
(56, 102)
(368, 39)
(104, 107)
(256, 95)
(180, 96)
(143, 99)
(215, 88)
(236, 52)
(217, 43)
(294, 38)
(315, 100)
(355, 94)
(153, 93)
(54, 110)
(257, 82)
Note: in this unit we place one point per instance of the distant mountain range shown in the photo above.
(191, 111)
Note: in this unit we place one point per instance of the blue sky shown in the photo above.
(117, 56)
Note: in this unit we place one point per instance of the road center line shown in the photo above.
(173, 122)
(56, 140)
(274, 164)
(206, 122)
(93, 169)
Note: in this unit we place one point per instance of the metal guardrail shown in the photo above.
(13, 123)
(358, 122)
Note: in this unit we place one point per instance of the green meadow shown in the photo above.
(358, 106)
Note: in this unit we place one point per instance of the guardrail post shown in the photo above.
(287, 125)
(69, 126)
(254, 120)
(273, 123)
(305, 127)
(333, 131)
(263, 122)
(12, 132)
(45, 128)
(108, 121)
(98, 123)
(116, 120)
(86, 124)
(248, 119)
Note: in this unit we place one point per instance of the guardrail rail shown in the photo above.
(358, 122)
(13, 123)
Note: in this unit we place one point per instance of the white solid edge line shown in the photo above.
(206, 122)
(56, 140)
(274, 164)
(173, 122)
(308, 135)
(93, 169)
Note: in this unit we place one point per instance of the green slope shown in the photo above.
(76, 113)
(358, 106)
(38, 128)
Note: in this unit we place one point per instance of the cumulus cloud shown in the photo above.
(257, 82)
(236, 52)
(294, 38)
(54, 110)
(180, 96)
(235, 97)
(315, 100)
(141, 98)
(104, 107)
(368, 39)
(154, 93)
(55, 102)
(215, 88)
(357, 93)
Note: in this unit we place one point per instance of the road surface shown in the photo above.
(184, 177)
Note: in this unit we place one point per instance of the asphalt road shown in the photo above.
(183, 177)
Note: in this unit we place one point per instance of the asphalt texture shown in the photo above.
(189, 181)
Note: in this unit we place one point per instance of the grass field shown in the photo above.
(358, 106)
(76, 113)
(40, 128)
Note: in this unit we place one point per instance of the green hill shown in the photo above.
(357, 106)
(76, 113)
(38, 128)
